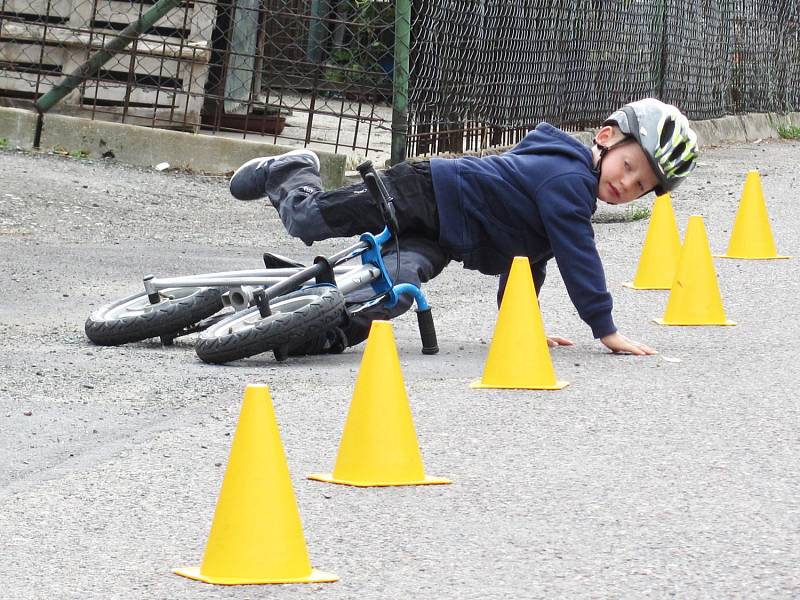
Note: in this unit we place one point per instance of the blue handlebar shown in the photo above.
(410, 289)
(372, 256)
(384, 283)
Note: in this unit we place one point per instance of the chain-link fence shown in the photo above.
(297, 72)
(484, 72)
(406, 76)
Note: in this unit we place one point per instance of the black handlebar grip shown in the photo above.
(379, 194)
(427, 332)
(370, 178)
(364, 168)
(371, 181)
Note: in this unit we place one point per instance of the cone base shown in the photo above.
(633, 286)
(329, 478)
(775, 257)
(478, 384)
(727, 322)
(314, 577)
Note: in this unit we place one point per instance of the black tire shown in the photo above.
(133, 318)
(295, 318)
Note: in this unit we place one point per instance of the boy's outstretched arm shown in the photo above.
(619, 344)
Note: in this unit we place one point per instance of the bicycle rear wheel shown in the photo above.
(295, 317)
(133, 318)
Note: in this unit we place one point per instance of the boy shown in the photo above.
(535, 200)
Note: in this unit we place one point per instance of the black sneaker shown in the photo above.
(249, 180)
(333, 341)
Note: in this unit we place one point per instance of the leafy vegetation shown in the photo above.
(637, 213)
(789, 132)
(616, 215)
(363, 63)
(3, 143)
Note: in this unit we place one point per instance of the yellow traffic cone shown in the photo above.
(518, 356)
(256, 535)
(379, 444)
(751, 237)
(695, 298)
(662, 248)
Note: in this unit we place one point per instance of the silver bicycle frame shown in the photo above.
(241, 284)
(254, 277)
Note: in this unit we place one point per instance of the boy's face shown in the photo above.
(625, 173)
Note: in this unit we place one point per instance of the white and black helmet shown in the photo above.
(664, 134)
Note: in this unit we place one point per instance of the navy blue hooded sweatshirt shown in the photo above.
(535, 200)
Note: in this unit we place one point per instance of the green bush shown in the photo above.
(789, 132)
(637, 213)
(363, 63)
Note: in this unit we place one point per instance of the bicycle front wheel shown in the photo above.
(133, 318)
(295, 318)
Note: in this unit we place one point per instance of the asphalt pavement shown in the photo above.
(663, 476)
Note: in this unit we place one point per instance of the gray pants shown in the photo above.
(311, 214)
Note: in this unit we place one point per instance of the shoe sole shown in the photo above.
(266, 160)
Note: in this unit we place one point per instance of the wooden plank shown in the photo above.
(112, 91)
(183, 112)
(113, 11)
(45, 8)
(190, 75)
(204, 16)
(57, 36)
(31, 54)
(81, 16)
(145, 65)
(29, 83)
(35, 32)
(164, 118)
(106, 90)
(194, 77)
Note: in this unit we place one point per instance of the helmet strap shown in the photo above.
(604, 150)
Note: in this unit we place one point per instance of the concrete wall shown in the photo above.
(17, 128)
(144, 146)
(148, 147)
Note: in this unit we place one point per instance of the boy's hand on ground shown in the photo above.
(557, 340)
(619, 344)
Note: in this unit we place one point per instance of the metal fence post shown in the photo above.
(402, 43)
(317, 31)
(663, 54)
(243, 76)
